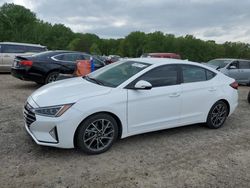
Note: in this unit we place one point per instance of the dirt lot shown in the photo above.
(191, 156)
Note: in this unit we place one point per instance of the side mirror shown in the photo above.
(232, 67)
(142, 84)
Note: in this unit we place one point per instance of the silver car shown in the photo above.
(239, 69)
(9, 50)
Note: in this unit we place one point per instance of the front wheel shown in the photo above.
(97, 134)
(217, 115)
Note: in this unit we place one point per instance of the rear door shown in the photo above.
(197, 93)
(67, 61)
(244, 72)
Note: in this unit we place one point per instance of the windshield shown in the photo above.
(219, 62)
(115, 74)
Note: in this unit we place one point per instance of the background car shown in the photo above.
(9, 50)
(126, 98)
(162, 55)
(45, 67)
(239, 69)
(112, 58)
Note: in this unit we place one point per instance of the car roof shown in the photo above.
(26, 44)
(165, 61)
(154, 60)
(230, 59)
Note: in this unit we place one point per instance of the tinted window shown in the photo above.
(9, 48)
(13, 48)
(244, 65)
(219, 62)
(210, 74)
(69, 57)
(193, 74)
(235, 63)
(161, 76)
(35, 49)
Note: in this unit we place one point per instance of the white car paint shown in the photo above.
(139, 111)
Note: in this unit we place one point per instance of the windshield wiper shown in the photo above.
(94, 80)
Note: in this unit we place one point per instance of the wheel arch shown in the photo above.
(117, 119)
(223, 100)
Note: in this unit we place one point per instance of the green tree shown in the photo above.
(94, 49)
(16, 22)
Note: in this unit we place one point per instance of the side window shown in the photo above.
(9, 48)
(72, 57)
(193, 74)
(235, 64)
(69, 57)
(34, 49)
(97, 62)
(210, 74)
(244, 65)
(161, 76)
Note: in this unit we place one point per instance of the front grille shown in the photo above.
(29, 116)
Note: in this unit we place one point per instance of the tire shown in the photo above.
(248, 97)
(51, 77)
(97, 134)
(217, 115)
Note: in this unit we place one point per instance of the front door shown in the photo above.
(158, 108)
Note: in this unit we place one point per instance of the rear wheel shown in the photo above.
(51, 77)
(97, 134)
(217, 115)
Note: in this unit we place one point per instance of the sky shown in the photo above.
(219, 20)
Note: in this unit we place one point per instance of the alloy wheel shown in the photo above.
(99, 135)
(218, 115)
(52, 77)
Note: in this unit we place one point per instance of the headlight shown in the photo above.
(52, 111)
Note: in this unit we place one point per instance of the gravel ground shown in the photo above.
(191, 156)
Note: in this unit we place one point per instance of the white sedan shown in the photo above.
(126, 98)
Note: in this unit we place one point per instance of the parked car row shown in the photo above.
(129, 97)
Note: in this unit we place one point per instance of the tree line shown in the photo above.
(19, 24)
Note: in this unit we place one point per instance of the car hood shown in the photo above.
(67, 91)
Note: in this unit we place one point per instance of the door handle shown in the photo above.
(174, 94)
(212, 89)
(6, 56)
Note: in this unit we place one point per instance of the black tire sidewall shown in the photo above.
(209, 121)
(83, 126)
(49, 75)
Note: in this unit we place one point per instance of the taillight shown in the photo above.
(234, 85)
(27, 63)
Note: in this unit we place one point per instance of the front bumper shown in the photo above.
(54, 131)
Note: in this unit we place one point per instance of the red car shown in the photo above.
(162, 55)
